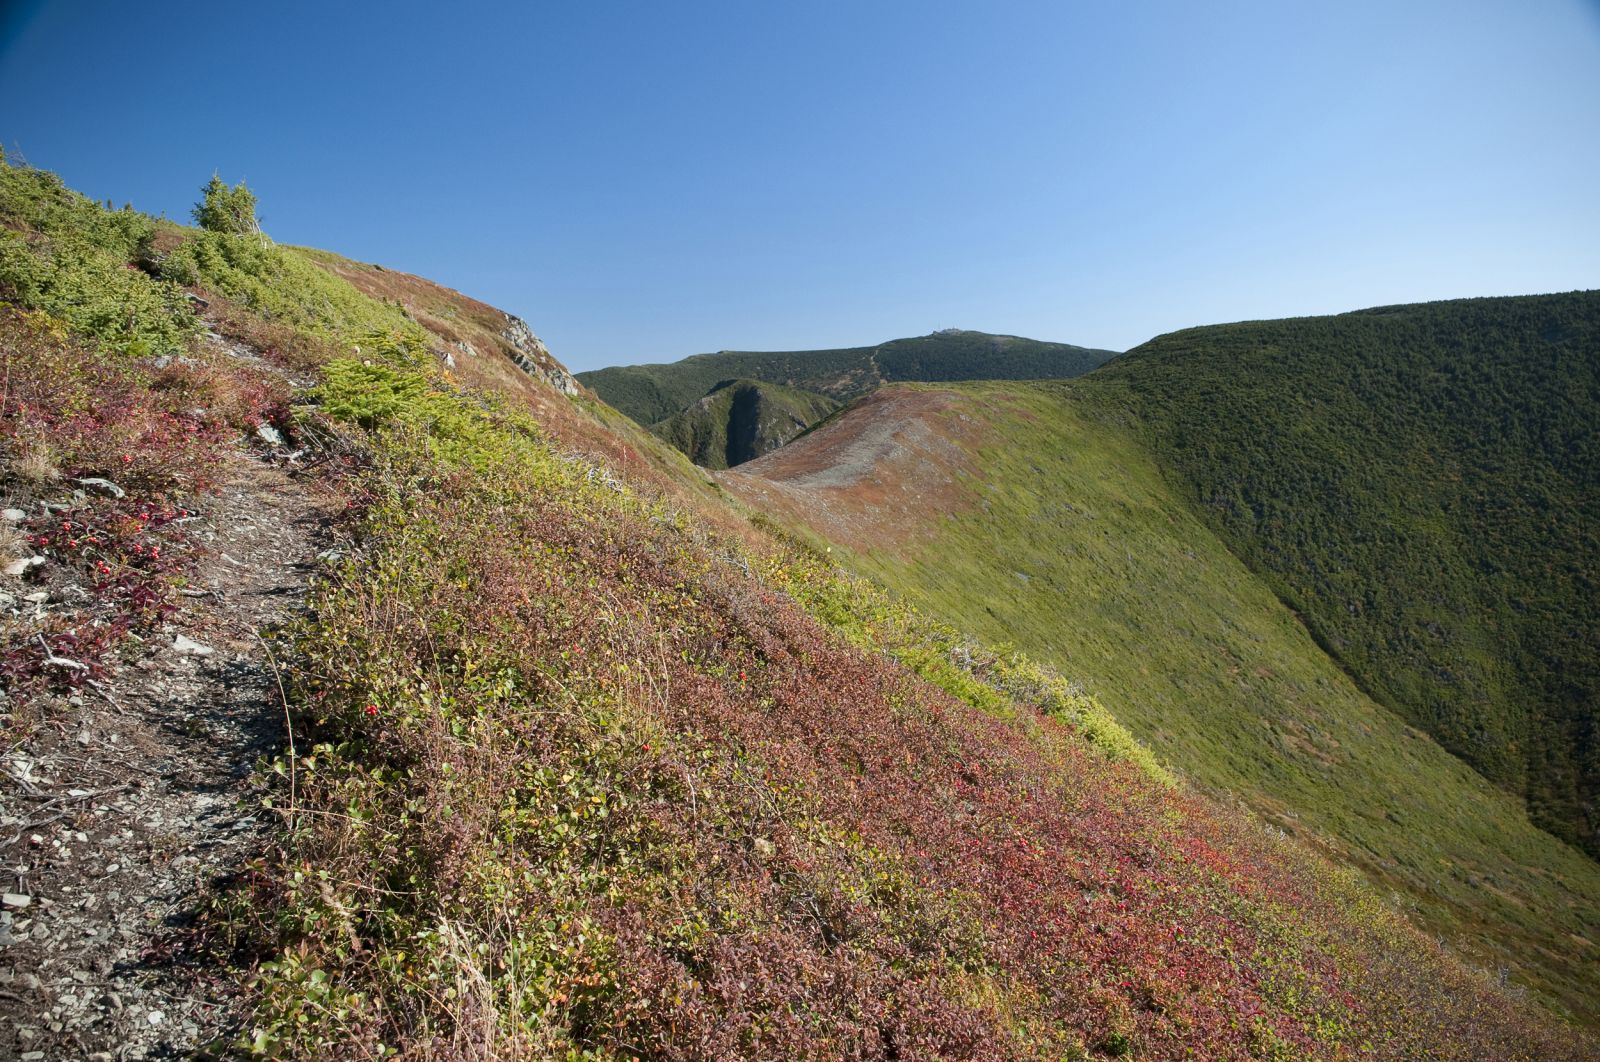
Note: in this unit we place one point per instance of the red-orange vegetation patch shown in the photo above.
(1105, 909)
(869, 478)
(104, 458)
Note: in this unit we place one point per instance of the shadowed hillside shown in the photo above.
(739, 420)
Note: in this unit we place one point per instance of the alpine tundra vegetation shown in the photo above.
(568, 753)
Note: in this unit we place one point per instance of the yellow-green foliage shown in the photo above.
(279, 283)
(70, 257)
(393, 387)
(995, 680)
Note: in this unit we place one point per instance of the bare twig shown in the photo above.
(100, 688)
(60, 661)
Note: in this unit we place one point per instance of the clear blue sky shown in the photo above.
(643, 181)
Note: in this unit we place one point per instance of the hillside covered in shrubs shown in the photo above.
(583, 762)
(1422, 484)
(1035, 515)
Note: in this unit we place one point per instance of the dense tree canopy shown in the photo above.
(1421, 483)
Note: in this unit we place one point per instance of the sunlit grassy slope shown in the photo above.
(1065, 539)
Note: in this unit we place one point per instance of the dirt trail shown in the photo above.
(123, 804)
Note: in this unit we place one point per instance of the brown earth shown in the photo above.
(868, 478)
(121, 804)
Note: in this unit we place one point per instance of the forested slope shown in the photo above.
(1422, 485)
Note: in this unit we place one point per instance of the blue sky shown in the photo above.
(643, 181)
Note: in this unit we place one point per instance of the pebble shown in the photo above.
(189, 647)
(21, 566)
(14, 516)
(105, 486)
(16, 900)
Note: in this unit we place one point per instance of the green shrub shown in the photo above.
(224, 209)
(96, 295)
(278, 283)
(36, 201)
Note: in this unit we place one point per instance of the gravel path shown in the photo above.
(120, 807)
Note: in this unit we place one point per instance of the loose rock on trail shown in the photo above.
(121, 802)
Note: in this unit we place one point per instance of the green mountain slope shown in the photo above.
(581, 762)
(652, 393)
(739, 420)
(1035, 514)
(1422, 484)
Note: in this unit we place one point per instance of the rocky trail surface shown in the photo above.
(121, 803)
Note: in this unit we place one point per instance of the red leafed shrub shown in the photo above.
(105, 457)
(623, 796)
(71, 411)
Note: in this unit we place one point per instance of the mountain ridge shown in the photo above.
(654, 392)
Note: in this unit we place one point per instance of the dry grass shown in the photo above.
(12, 543)
(35, 461)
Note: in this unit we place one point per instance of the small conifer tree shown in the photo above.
(224, 209)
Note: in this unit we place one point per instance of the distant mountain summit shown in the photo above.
(651, 394)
